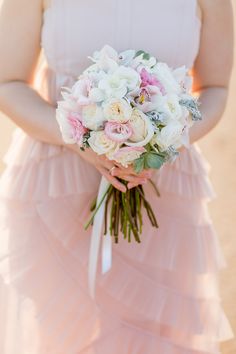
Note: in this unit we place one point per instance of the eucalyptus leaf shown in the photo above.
(146, 56)
(153, 160)
(139, 164)
(139, 52)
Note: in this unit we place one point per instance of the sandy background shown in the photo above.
(219, 148)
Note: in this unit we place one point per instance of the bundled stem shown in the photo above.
(125, 212)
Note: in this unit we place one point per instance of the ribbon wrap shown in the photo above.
(96, 240)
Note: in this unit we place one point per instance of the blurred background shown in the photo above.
(219, 147)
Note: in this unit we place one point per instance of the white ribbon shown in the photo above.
(96, 238)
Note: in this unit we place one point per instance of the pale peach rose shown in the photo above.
(127, 155)
(117, 110)
(143, 129)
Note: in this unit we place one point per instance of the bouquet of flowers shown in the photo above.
(134, 110)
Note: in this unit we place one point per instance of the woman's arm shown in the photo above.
(20, 33)
(213, 65)
(20, 36)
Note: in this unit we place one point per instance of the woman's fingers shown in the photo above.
(105, 163)
(114, 181)
(132, 185)
(134, 179)
(111, 170)
(120, 172)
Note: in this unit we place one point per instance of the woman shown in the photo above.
(160, 296)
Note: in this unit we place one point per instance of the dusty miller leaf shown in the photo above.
(192, 106)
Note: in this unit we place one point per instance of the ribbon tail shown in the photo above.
(107, 250)
(96, 236)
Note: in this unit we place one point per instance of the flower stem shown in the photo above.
(95, 211)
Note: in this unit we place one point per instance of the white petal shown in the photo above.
(96, 95)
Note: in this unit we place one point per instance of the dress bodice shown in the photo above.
(73, 29)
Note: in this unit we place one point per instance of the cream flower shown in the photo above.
(117, 110)
(101, 144)
(142, 128)
(127, 155)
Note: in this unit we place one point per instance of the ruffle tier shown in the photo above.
(35, 167)
(160, 295)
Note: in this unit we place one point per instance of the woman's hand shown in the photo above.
(112, 171)
(129, 174)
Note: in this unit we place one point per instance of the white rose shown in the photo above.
(146, 63)
(108, 51)
(101, 144)
(169, 136)
(182, 77)
(131, 77)
(126, 57)
(92, 117)
(169, 105)
(142, 129)
(117, 110)
(165, 75)
(113, 86)
(96, 95)
(106, 58)
(96, 76)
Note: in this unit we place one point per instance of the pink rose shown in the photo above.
(118, 132)
(77, 128)
(80, 91)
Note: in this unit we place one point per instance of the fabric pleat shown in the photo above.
(161, 294)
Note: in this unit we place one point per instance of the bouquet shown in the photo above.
(135, 110)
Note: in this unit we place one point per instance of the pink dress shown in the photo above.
(161, 296)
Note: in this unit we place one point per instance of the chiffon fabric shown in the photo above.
(161, 296)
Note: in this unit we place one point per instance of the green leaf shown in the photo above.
(153, 160)
(146, 56)
(139, 52)
(139, 164)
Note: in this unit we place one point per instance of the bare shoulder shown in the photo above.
(214, 63)
(18, 4)
(221, 7)
(19, 43)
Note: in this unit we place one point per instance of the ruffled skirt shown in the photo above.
(161, 296)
